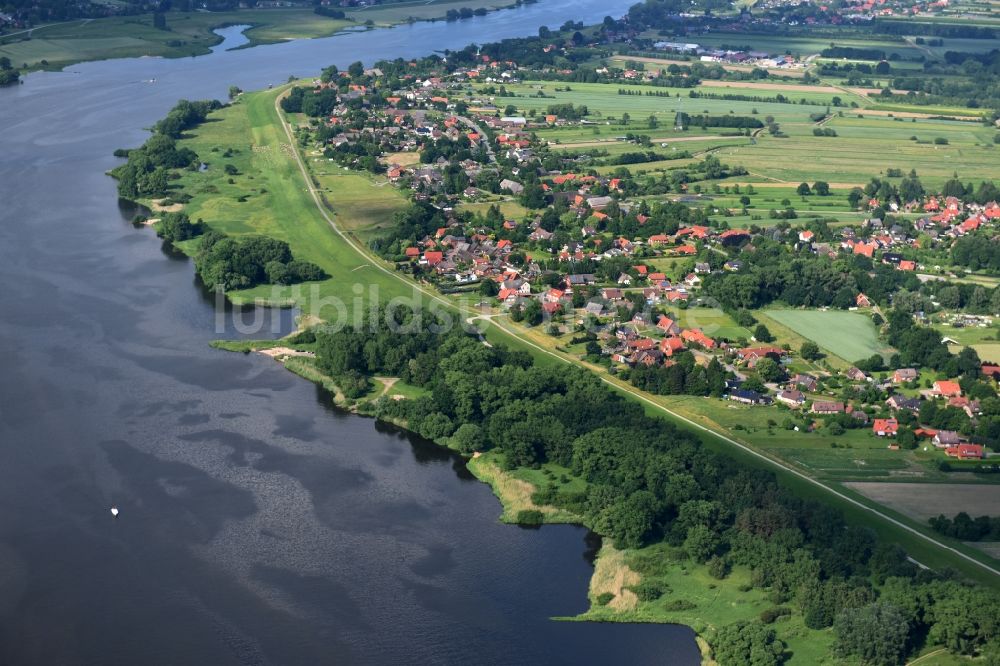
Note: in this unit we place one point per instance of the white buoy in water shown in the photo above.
(114, 511)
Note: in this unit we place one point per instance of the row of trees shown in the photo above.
(965, 528)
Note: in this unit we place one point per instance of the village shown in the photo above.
(593, 258)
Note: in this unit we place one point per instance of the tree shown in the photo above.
(822, 188)
(769, 370)
(489, 288)
(761, 334)
(747, 643)
(810, 350)
(803, 189)
(356, 69)
(701, 543)
(469, 438)
(533, 313)
(876, 634)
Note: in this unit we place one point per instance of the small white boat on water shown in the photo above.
(114, 510)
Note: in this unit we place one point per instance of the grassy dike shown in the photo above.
(269, 197)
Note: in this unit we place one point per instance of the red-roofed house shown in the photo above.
(659, 239)
(885, 427)
(866, 249)
(668, 325)
(966, 452)
(906, 265)
(686, 249)
(696, 337)
(671, 346)
(947, 389)
(433, 258)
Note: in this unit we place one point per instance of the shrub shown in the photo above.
(530, 517)
(769, 615)
(648, 591)
(604, 598)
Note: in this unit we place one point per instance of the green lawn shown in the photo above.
(848, 335)
(275, 203)
(373, 203)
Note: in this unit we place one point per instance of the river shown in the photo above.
(258, 525)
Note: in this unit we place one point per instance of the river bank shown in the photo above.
(55, 46)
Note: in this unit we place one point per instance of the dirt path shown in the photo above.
(387, 384)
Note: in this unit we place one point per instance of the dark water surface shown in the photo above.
(258, 526)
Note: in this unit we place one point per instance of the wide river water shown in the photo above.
(258, 525)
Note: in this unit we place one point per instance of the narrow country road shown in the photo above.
(313, 192)
(486, 140)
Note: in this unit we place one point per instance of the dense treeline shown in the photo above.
(977, 253)
(310, 102)
(233, 263)
(649, 482)
(684, 377)
(935, 29)
(703, 121)
(184, 116)
(802, 279)
(8, 74)
(966, 528)
(177, 227)
(145, 174)
(852, 53)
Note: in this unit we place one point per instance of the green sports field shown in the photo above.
(849, 335)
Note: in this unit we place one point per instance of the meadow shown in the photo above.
(848, 335)
(868, 142)
(188, 33)
(267, 197)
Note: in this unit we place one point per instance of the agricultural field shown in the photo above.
(848, 335)
(868, 140)
(921, 501)
(373, 202)
(511, 209)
